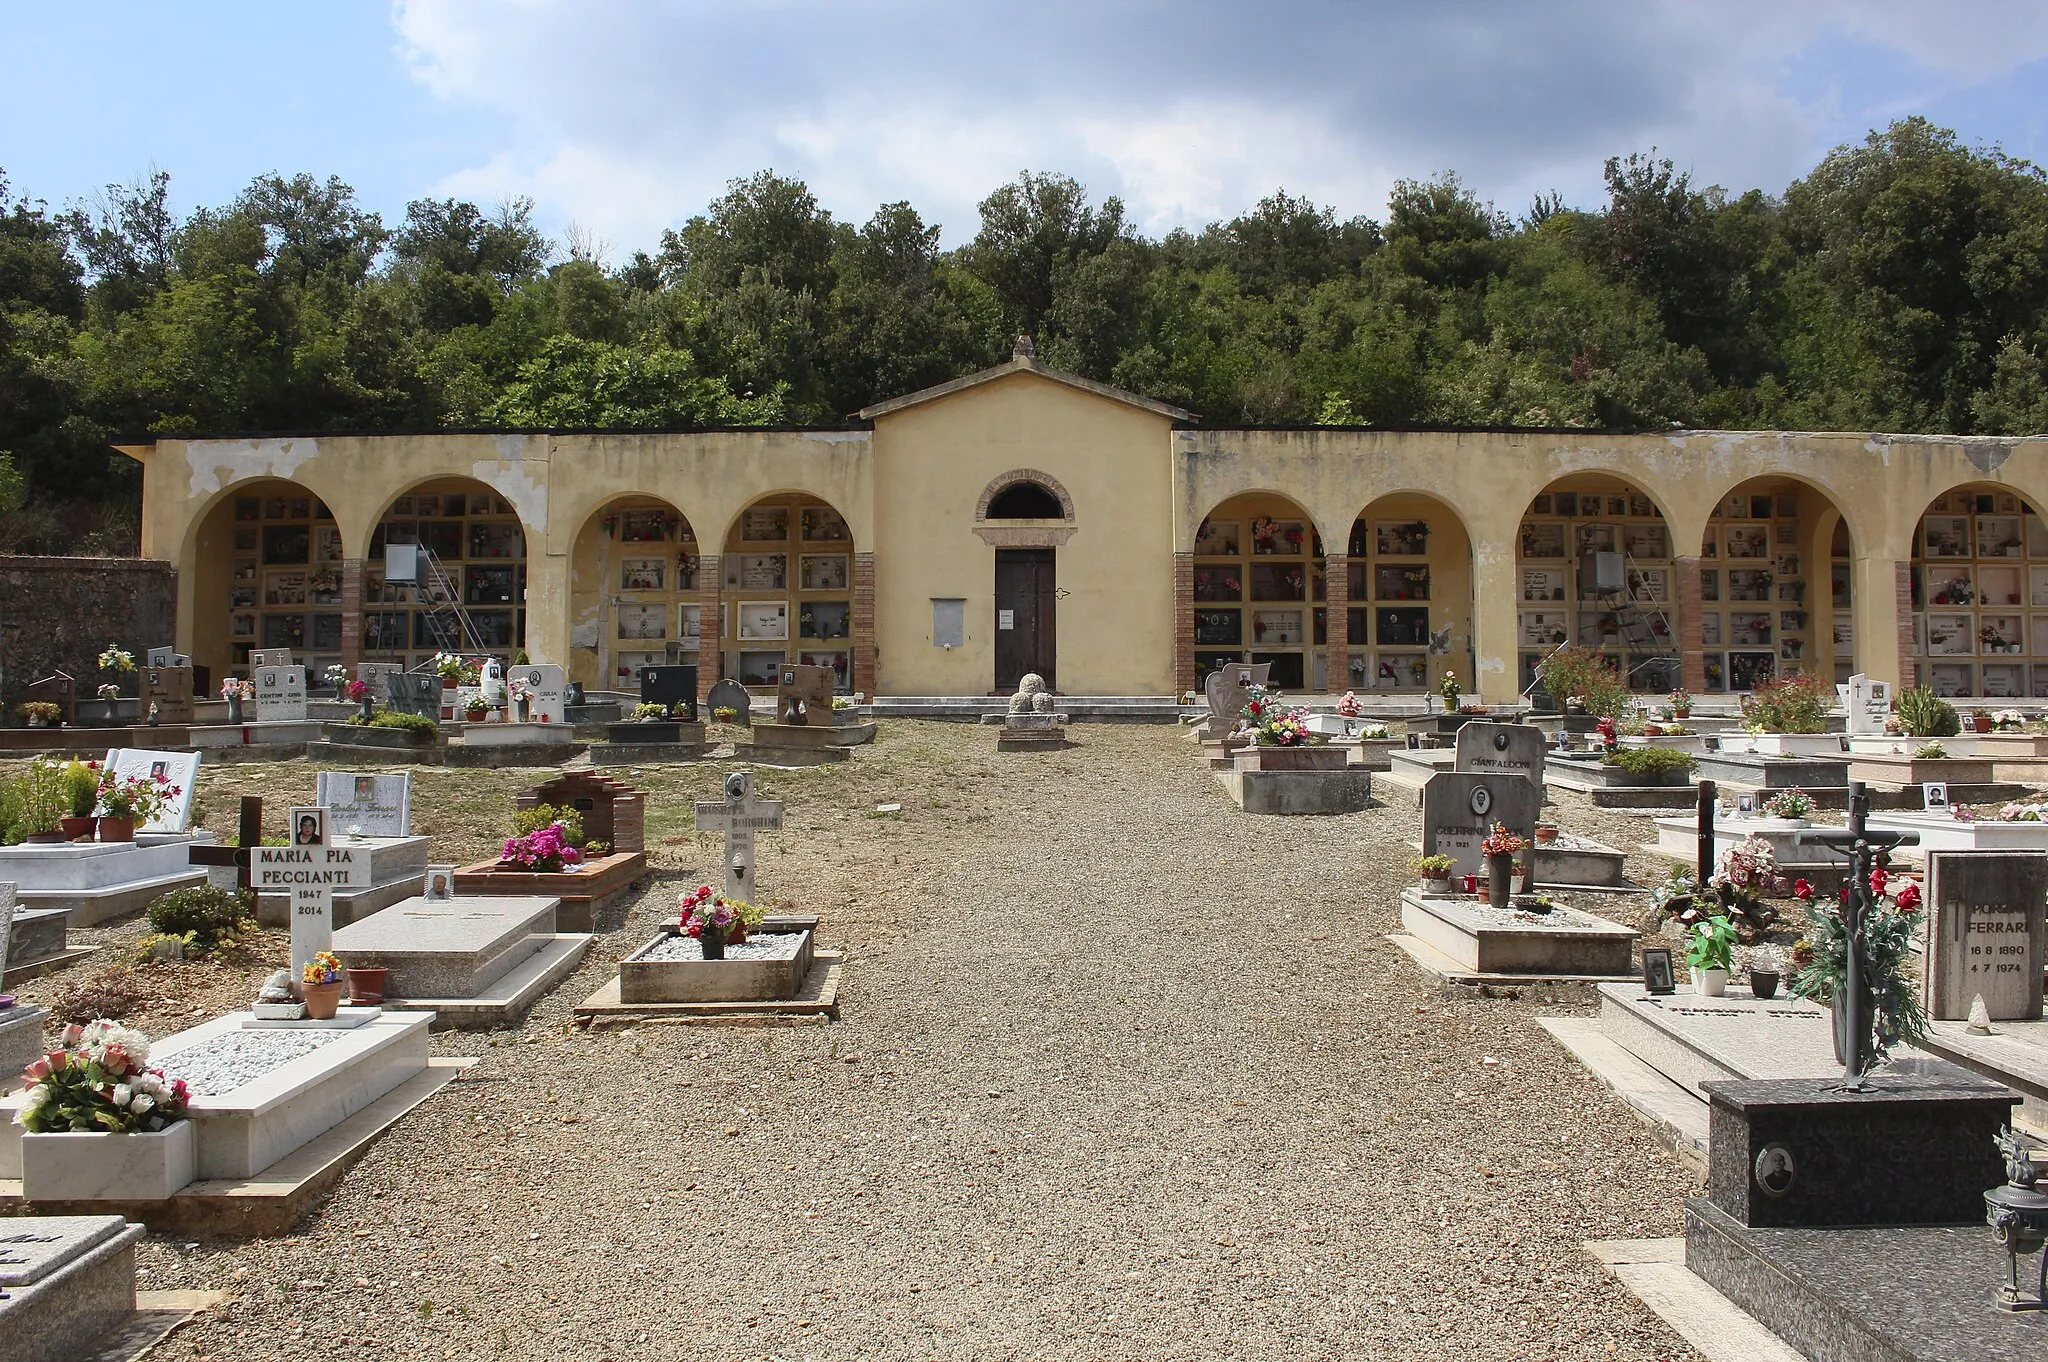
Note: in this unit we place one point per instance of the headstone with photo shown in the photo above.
(166, 657)
(1487, 748)
(414, 693)
(57, 688)
(1459, 808)
(378, 805)
(1934, 796)
(546, 689)
(1867, 703)
(280, 694)
(168, 688)
(181, 769)
(377, 676)
(309, 870)
(1984, 933)
(1226, 690)
(739, 816)
(803, 695)
(669, 686)
(730, 694)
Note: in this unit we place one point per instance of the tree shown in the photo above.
(1034, 231)
(579, 383)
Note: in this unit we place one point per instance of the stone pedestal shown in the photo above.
(583, 893)
(1471, 934)
(642, 980)
(98, 881)
(1031, 732)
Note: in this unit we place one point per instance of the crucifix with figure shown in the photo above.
(739, 816)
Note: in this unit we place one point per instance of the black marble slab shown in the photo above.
(1920, 1293)
(1916, 1148)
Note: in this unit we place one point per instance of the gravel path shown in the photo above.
(1124, 1073)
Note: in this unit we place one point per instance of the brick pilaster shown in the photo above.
(351, 612)
(1184, 678)
(1902, 606)
(710, 641)
(863, 625)
(1337, 664)
(1692, 655)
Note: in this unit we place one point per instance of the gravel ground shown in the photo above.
(1123, 1073)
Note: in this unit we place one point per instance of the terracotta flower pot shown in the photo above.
(1981, 722)
(114, 829)
(77, 829)
(366, 985)
(322, 1000)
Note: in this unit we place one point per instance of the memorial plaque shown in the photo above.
(1460, 807)
(179, 768)
(309, 870)
(546, 691)
(280, 694)
(1984, 933)
(803, 695)
(1226, 689)
(414, 693)
(1501, 750)
(270, 657)
(377, 676)
(378, 805)
(170, 690)
(670, 685)
(1868, 704)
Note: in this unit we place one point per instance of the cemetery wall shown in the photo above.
(59, 613)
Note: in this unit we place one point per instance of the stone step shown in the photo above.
(506, 999)
(70, 1310)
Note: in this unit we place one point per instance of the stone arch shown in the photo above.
(634, 590)
(268, 560)
(1979, 623)
(1408, 575)
(1257, 589)
(1780, 589)
(473, 597)
(1004, 481)
(1564, 594)
(795, 588)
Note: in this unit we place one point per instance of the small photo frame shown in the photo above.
(440, 883)
(309, 826)
(1934, 796)
(1659, 978)
(1745, 806)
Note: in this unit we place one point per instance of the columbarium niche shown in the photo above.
(1259, 584)
(1980, 595)
(1774, 587)
(633, 593)
(1408, 597)
(788, 591)
(1595, 569)
(268, 560)
(446, 571)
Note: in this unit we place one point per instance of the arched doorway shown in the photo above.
(633, 592)
(788, 591)
(268, 563)
(1775, 586)
(1980, 595)
(1258, 572)
(1408, 596)
(1595, 569)
(445, 571)
(1025, 515)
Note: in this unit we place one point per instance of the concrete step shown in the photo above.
(505, 1000)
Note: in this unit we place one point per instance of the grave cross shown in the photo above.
(739, 816)
(251, 837)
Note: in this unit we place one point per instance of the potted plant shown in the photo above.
(97, 1085)
(476, 709)
(725, 714)
(42, 713)
(1681, 704)
(1923, 714)
(1546, 832)
(649, 713)
(545, 840)
(1791, 806)
(1930, 751)
(1980, 720)
(1499, 849)
(82, 788)
(1766, 967)
(128, 800)
(1710, 950)
(1447, 687)
(1892, 1012)
(320, 983)
(43, 801)
(1435, 872)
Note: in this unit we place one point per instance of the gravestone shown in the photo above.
(166, 657)
(1492, 749)
(170, 690)
(491, 681)
(739, 816)
(1868, 704)
(670, 686)
(1460, 807)
(270, 657)
(1984, 933)
(380, 805)
(9, 898)
(546, 690)
(377, 676)
(59, 689)
(730, 694)
(803, 695)
(309, 871)
(67, 1287)
(612, 811)
(179, 768)
(1227, 690)
(280, 694)
(414, 693)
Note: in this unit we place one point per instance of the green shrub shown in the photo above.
(207, 918)
(1648, 761)
(1797, 704)
(1923, 714)
(396, 718)
(540, 815)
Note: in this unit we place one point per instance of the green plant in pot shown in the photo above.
(1710, 951)
(1892, 1012)
(82, 787)
(1923, 714)
(1435, 872)
(43, 801)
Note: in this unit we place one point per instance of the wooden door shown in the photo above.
(1026, 629)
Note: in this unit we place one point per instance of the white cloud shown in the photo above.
(629, 117)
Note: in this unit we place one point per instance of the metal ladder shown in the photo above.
(1640, 619)
(447, 622)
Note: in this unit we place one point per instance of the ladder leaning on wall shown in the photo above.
(1645, 631)
(446, 622)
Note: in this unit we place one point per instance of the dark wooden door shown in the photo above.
(1025, 622)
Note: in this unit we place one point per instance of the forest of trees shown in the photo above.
(1902, 286)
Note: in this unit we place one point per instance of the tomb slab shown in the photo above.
(447, 949)
(1563, 941)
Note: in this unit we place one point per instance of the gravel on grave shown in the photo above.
(1122, 1073)
(222, 1063)
(772, 946)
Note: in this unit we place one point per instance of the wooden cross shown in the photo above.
(239, 857)
(739, 815)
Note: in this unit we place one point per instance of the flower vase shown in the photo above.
(1710, 983)
(366, 985)
(1763, 983)
(234, 709)
(365, 708)
(525, 710)
(322, 1000)
(712, 940)
(1500, 880)
(114, 829)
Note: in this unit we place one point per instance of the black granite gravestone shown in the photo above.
(415, 693)
(730, 694)
(670, 685)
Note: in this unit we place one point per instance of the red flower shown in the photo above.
(1801, 890)
(1908, 899)
(1878, 880)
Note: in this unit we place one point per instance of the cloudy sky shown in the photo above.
(624, 116)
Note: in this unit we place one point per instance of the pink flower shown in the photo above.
(38, 1070)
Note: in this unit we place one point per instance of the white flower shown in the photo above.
(37, 1096)
(142, 1104)
(122, 1095)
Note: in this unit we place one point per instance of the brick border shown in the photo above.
(1902, 609)
(1692, 654)
(863, 625)
(1337, 627)
(1184, 679)
(710, 578)
(1004, 481)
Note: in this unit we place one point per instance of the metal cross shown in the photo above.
(251, 837)
(1864, 846)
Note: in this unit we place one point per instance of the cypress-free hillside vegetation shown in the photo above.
(1902, 285)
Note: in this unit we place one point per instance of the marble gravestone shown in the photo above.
(377, 676)
(280, 694)
(546, 688)
(179, 768)
(1460, 807)
(1984, 933)
(414, 693)
(1868, 704)
(170, 690)
(1501, 750)
(380, 805)
(166, 657)
(803, 695)
(730, 694)
(670, 686)
(309, 871)
(1226, 689)
(739, 816)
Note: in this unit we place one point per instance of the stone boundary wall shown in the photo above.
(58, 613)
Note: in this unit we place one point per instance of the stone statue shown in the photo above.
(277, 988)
(1024, 349)
(1031, 695)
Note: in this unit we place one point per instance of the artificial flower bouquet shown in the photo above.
(2019, 811)
(324, 968)
(141, 798)
(336, 677)
(1792, 803)
(359, 691)
(455, 670)
(98, 1081)
(546, 850)
(1274, 724)
(117, 659)
(2008, 721)
(702, 909)
(1888, 950)
(235, 689)
(108, 691)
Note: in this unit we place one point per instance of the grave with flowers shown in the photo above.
(2018, 825)
(472, 961)
(578, 838)
(1286, 768)
(130, 846)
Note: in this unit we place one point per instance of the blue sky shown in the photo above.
(622, 118)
